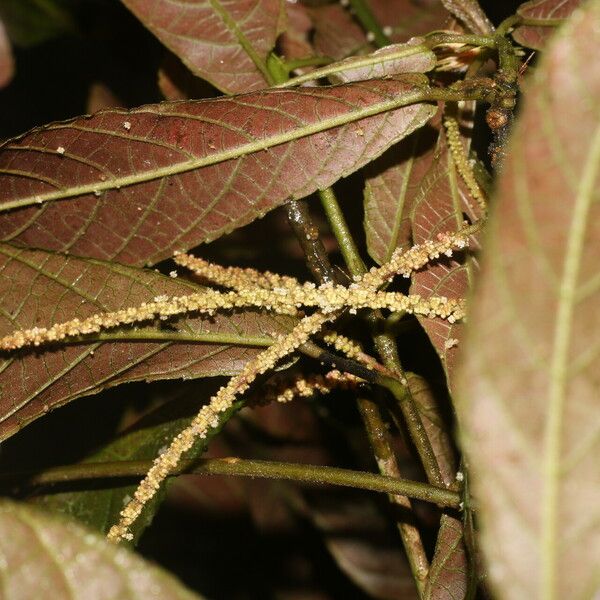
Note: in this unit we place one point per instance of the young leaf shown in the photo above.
(136, 185)
(395, 58)
(43, 556)
(39, 289)
(528, 387)
(549, 14)
(226, 42)
(441, 205)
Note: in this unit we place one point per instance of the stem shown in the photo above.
(375, 426)
(441, 39)
(338, 224)
(385, 344)
(246, 468)
(367, 19)
(172, 336)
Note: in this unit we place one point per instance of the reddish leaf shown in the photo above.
(441, 205)
(550, 14)
(294, 42)
(337, 34)
(358, 537)
(43, 556)
(392, 182)
(449, 575)
(223, 41)
(395, 58)
(408, 18)
(470, 14)
(39, 289)
(528, 389)
(449, 572)
(136, 185)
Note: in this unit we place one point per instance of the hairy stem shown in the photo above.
(246, 468)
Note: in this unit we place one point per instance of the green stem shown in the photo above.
(386, 345)
(340, 229)
(367, 19)
(245, 468)
(441, 39)
(311, 61)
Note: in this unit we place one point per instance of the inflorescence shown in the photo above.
(280, 294)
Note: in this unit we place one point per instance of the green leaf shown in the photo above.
(99, 508)
(41, 288)
(226, 42)
(43, 556)
(528, 388)
(135, 186)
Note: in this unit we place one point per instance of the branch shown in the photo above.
(245, 468)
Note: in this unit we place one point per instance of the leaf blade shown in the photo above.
(136, 185)
(540, 283)
(64, 559)
(225, 42)
(39, 288)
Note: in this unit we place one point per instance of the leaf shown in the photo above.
(471, 15)
(441, 205)
(357, 535)
(225, 42)
(395, 58)
(409, 18)
(391, 184)
(134, 186)
(40, 288)
(43, 556)
(337, 34)
(99, 508)
(528, 387)
(449, 573)
(549, 13)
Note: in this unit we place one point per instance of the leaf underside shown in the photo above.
(39, 288)
(545, 11)
(43, 557)
(225, 42)
(529, 389)
(134, 186)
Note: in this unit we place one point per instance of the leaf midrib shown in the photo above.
(411, 97)
(559, 369)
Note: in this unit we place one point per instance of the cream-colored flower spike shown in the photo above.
(208, 417)
(250, 288)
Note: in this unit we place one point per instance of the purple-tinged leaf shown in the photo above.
(442, 204)
(39, 289)
(528, 396)
(7, 63)
(549, 13)
(134, 186)
(43, 556)
(225, 42)
(393, 59)
(391, 184)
